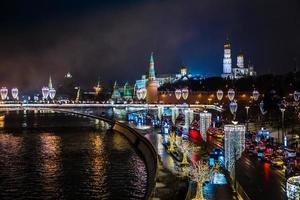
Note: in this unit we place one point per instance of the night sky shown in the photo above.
(114, 39)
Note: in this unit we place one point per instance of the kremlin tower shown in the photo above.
(227, 65)
(152, 84)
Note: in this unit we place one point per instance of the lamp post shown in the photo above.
(282, 126)
(247, 110)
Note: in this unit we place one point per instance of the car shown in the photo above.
(277, 162)
(292, 170)
(267, 157)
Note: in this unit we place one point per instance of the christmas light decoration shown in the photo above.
(188, 117)
(231, 94)
(15, 93)
(185, 93)
(255, 95)
(178, 94)
(4, 93)
(45, 92)
(143, 93)
(233, 107)
(234, 144)
(205, 122)
(219, 95)
(52, 93)
(293, 188)
(200, 173)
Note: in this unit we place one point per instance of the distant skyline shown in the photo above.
(113, 40)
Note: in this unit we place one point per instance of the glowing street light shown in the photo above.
(52, 93)
(185, 93)
(247, 111)
(219, 95)
(255, 95)
(233, 106)
(3, 93)
(15, 93)
(178, 94)
(231, 94)
(143, 92)
(45, 92)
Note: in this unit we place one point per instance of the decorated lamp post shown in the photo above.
(283, 133)
(247, 118)
(231, 94)
(255, 95)
(45, 92)
(219, 95)
(178, 94)
(185, 93)
(15, 93)
(233, 108)
(138, 94)
(52, 93)
(3, 93)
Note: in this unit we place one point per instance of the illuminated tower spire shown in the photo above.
(151, 84)
(227, 67)
(50, 83)
(240, 60)
(151, 68)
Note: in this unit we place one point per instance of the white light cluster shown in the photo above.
(293, 188)
(15, 93)
(205, 121)
(174, 114)
(178, 94)
(188, 117)
(234, 144)
(160, 112)
(4, 93)
(45, 92)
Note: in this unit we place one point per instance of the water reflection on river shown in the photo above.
(59, 156)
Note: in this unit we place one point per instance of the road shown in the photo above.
(260, 180)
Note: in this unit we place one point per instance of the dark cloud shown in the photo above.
(113, 39)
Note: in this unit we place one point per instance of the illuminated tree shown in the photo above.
(172, 138)
(184, 148)
(200, 173)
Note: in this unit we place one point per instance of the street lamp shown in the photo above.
(282, 120)
(247, 110)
